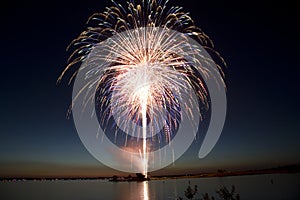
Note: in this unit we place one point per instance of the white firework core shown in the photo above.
(141, 83)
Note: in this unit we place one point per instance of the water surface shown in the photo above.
(254, 187)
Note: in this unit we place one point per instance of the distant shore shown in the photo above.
(231, 173)
(219, 173)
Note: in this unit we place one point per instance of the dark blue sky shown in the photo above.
(259, 41)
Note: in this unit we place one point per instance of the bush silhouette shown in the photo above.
(189, 192)
(223, 193)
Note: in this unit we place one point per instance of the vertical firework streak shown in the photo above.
(144, 125)
(143, 73)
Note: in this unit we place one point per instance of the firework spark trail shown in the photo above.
(144, 125)
(140, 73)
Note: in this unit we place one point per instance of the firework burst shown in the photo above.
(141, 72)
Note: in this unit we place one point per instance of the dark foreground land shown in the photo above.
(140, 177)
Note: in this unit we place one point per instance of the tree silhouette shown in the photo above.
(115, 178)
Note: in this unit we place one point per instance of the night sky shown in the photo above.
(259, 41)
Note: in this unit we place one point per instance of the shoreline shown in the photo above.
(226, 174)
(163, 177)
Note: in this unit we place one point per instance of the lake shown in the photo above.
(254, 187)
